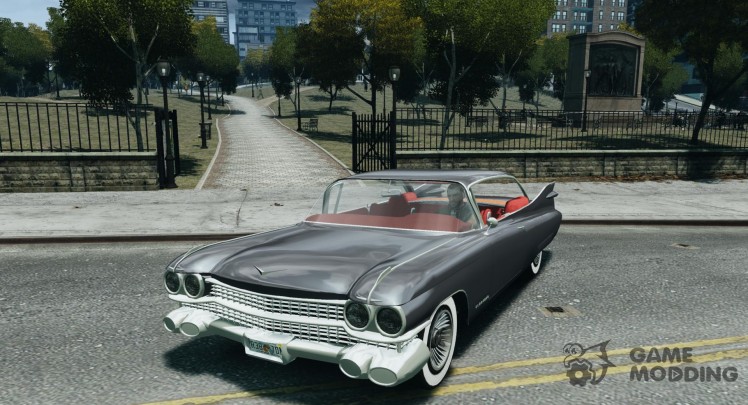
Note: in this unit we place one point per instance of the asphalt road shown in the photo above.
(81, 324)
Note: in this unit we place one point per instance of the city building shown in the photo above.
(580, 16)
(256, 21)
(217, 9)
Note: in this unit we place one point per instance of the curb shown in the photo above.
(224, 236)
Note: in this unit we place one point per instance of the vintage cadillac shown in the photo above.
(376, 279)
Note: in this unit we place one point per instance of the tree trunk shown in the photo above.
(447, 120)
(700, 119)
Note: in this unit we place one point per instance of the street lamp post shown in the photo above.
(252, 78)
(203, 135)
(587, 73)
(394, 73)
(210, 115)
(164, 69)
(298, 104)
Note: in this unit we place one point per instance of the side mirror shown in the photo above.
(492, 222)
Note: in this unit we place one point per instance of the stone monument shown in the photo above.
(607, 67)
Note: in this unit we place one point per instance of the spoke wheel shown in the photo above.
(440, 338)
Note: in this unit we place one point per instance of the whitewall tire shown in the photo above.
(440, 337)
(536, 262)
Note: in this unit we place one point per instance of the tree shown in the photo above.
(531, 80)
(661, 77)
(283, 64)
(24, 52)
(323, 62)
(372, 34)
(256, 65)
(705, 31)
(555, 51)
(110, 45)
(729, 61)
(468, 35)
(211, 55)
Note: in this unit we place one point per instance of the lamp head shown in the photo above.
(394, 73)
(164, 68)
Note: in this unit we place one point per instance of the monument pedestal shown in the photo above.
(615, 60)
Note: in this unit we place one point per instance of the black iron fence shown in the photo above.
(67, 127)
(489, 129)
(373, 143)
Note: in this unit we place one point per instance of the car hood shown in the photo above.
(324, 259)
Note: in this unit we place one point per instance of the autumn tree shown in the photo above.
(705, 31)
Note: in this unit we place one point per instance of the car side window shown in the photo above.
(492, 195)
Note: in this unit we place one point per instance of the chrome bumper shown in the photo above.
(383, 366)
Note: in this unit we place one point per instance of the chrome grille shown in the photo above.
(315, 333)
(279, 305)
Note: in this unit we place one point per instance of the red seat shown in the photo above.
(485, 214)
(396, 206)
(514, 204)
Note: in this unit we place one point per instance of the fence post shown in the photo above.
(393, 140)
(160, 147)
(175, 137)
(354, 144)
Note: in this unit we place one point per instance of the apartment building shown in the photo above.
(217, 9)
(580, 16)
(256, 21)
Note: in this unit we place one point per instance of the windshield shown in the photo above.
(416, 205)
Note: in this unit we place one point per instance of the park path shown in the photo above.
(260, 155)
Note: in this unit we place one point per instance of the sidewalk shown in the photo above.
(242, 194)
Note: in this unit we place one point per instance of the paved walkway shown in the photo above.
(267, 159)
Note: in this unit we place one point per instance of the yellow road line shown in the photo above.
(486, 385)
(542, 379)
(611, 353)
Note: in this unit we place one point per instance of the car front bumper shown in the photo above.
(382, 365)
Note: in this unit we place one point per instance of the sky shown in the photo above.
(35, 11)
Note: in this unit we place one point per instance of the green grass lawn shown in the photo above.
(334, 130)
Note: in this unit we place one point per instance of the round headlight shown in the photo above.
(171, 282)
(389, 321)
(357, 315)
(194, 286)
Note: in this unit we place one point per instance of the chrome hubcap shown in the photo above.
(440, 339)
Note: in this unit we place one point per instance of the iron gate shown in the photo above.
(373, 142)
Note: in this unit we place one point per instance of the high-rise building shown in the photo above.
(580, 16)
(256, 21)
(217, 9)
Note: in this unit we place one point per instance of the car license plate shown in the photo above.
(269, 349)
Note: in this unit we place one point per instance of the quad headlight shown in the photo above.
(191, 284)
(357, 315)
(172, 282)
(389, 321)
(194, 286)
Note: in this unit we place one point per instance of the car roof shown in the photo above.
(465, 177)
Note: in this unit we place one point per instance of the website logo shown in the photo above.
(586, 365)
